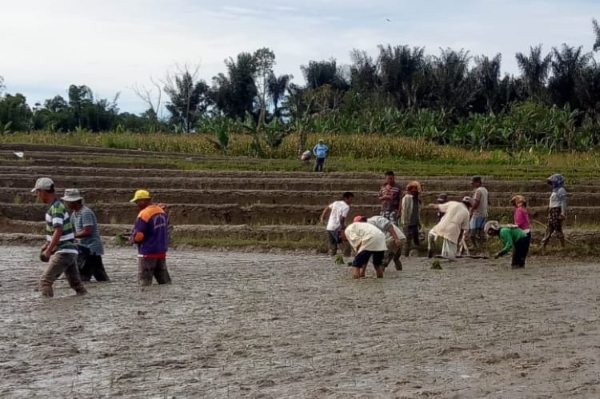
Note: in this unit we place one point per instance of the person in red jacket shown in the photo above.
(151, 234)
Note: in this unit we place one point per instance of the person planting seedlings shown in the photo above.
(557, 210)
(60, 248)
(451, 227)
(513, 238)
(367, 241)
(337, 211)
(441, 199)
(151, 234)
(394, 238)
(88, 235)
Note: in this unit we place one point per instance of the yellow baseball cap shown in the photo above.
(140, 195)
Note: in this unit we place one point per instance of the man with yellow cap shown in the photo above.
(151, 234)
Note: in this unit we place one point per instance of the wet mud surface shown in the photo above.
(279, 326)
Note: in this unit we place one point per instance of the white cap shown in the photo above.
(43, 183)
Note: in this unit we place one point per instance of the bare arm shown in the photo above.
(392, 231)
(325, 213)
(86, 232)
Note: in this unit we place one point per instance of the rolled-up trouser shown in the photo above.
(393, 253)
(149, 268)
(61, 263)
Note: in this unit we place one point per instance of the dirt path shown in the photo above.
(273, 326)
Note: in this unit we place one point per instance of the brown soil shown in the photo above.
(273, 326)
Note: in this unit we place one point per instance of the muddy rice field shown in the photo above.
(243, 324)
(281, 326)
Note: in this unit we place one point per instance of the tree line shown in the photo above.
(450, 98)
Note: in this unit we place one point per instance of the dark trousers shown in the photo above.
(90, 265)
(520, 251)
(319, 164)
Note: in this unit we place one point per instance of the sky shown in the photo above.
(114, 45)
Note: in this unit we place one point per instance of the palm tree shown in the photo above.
(567, 67)
(277, 87)
(596, 28)
(534, 69)
(487, 79)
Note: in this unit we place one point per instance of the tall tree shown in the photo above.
(265, 60)
(487, 81)
(277, 88)
(567, 66)
(234, 93)
(189, 97)
(535, 69)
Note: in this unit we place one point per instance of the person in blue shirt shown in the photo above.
(320, 150)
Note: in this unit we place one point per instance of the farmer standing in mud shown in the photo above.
(479, 213)
(557, 210)
(367, 241)
(86, 231)
(151, 234)
(451, 228)
(338, 211)
(320, 151)
(410, 215)
(394, 237)
(60, 248)
(389, 196)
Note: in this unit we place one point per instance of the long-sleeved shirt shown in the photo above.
(522, 218)
(455, 220)
(558, 199)
(320, 150)
(509, 236)
(151, 232)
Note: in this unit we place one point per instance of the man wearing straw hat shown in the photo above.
(151, 234)
(88, 236)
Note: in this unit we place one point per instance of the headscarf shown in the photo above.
(413, 184)
(557, 180)
(518, 199)
(491, 225)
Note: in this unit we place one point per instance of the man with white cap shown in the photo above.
(60, 248)
(151, 234)
(451, 227)
(88, 235)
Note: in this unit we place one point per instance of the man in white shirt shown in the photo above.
(338, 211)
(394, 238)
(367, 241)
(451, 228)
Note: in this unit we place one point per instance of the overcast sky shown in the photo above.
(110, 45)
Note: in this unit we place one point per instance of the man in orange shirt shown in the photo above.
(151, 234)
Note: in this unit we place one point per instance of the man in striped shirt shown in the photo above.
(60, 248)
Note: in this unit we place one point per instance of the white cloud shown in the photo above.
(113, 44)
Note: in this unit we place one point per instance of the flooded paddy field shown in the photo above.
(297, 326)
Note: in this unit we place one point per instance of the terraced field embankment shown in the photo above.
(242, 208)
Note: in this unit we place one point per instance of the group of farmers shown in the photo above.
(382, 237)
(74, 247)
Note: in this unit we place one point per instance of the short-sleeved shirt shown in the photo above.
(339, 209)
(392, 204)
(365, 237)
(57, 216)
(83, 218)
(481, 194)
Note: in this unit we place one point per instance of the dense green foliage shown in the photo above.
(449, 98)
